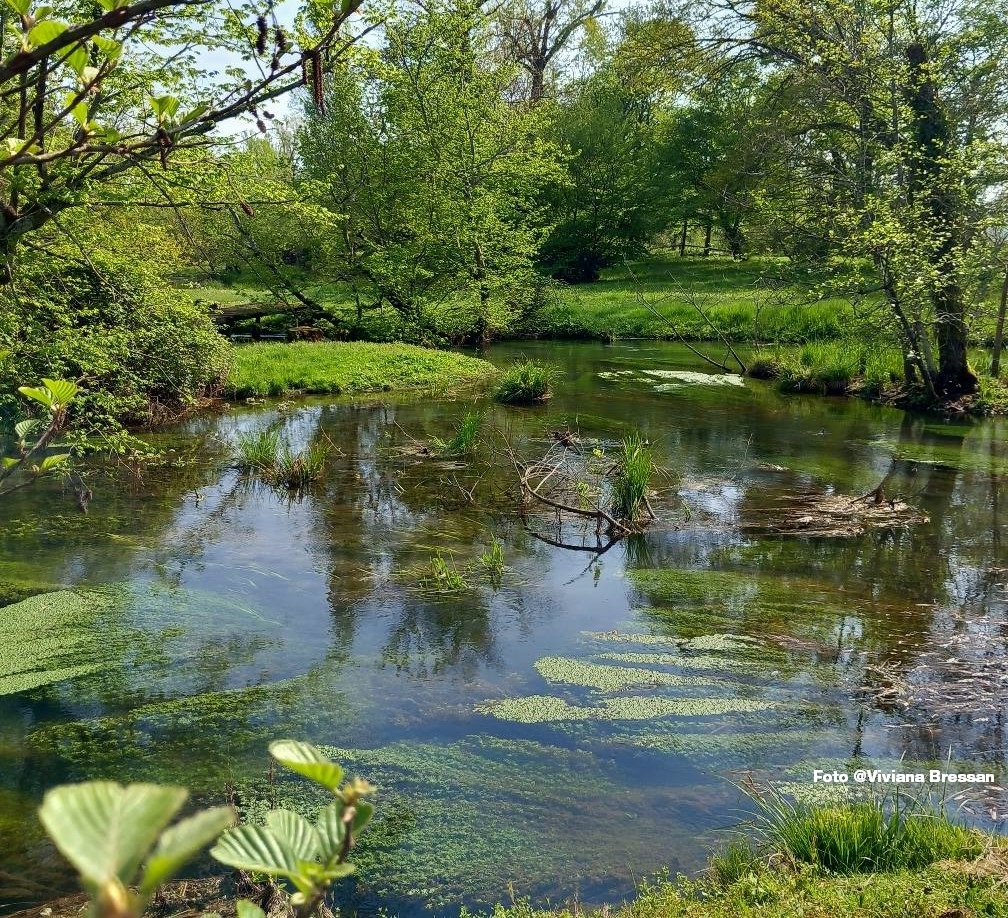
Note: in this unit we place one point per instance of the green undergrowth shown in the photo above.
(946, 890)
(334, 368)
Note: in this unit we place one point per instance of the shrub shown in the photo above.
(526, 382)
(141, 353)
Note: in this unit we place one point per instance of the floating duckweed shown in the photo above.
(628, 638)
(606, 678)
(51, 637)
(534, 709)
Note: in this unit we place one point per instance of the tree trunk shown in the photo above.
(941, 202)
(706, 240)
(682, 239)
(999, 331)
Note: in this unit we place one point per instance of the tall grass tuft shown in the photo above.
(526, 382)
(632, 476)
(264, 455)
(258, 451)
(865, 836)
(466, 438)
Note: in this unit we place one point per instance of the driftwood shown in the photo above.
(831, 515)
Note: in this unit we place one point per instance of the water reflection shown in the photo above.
(245, 614)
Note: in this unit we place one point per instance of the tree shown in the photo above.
(899, 103)
(95, 95)
(436, 175)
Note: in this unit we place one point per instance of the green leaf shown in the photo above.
(79, 110)
(53, 462)
(248, 909)
(104, 829)
(20, 6)
(181, 842)
(111, 48)
(44, 32)
(9, 462)
(295, 832)
(307, 760)
(77, 59)
(255, 848)
(362, 817)
(23, 428)
(62, 390)
(164, 106)
(331, 829)
(43, 396)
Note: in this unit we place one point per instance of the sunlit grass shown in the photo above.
(525, 382)
(340, 367)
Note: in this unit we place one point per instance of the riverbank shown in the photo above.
(341, 368)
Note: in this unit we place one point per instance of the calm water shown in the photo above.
(574, 729)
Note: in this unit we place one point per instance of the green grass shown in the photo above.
(332, 368)
(466, 438)
(262, 453)
(635, 468)
(870, 836)
(659, 298)
(258, 450)
(525, 382)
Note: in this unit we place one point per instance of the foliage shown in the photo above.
(108, 831)
(309, 856)
(140, 352)
(436, 175)
(35, 435)
(525, 382)
(335, 368)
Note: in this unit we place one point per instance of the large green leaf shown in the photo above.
(43, 396)
(106, 830)
(62, 390)
(362, 817)
(179, 843)
(295, 832)
(255, 848)
(307, 760)
(45, 31)
(23, 428)
(331, 830)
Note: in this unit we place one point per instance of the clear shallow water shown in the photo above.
(576, 728)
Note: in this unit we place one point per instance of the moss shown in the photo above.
(606, 678)
(51, 637)
(547, 708)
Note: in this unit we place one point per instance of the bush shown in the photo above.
(140, 354)
(525, 382)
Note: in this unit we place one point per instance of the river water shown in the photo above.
(560, 733)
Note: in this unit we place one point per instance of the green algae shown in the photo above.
(52, 637)
(534, 709)
(568, 671)
(630, 638)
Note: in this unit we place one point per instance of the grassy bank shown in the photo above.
(333, 368)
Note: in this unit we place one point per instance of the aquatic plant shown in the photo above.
(107, 831)
(466, 437)
(445, 575)
(50, 637)
(310, 856)
(632, 476)
(264, 454)
(526, 382)
(534, 709)
(258, 450)
(492, 561)
(570, 671)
